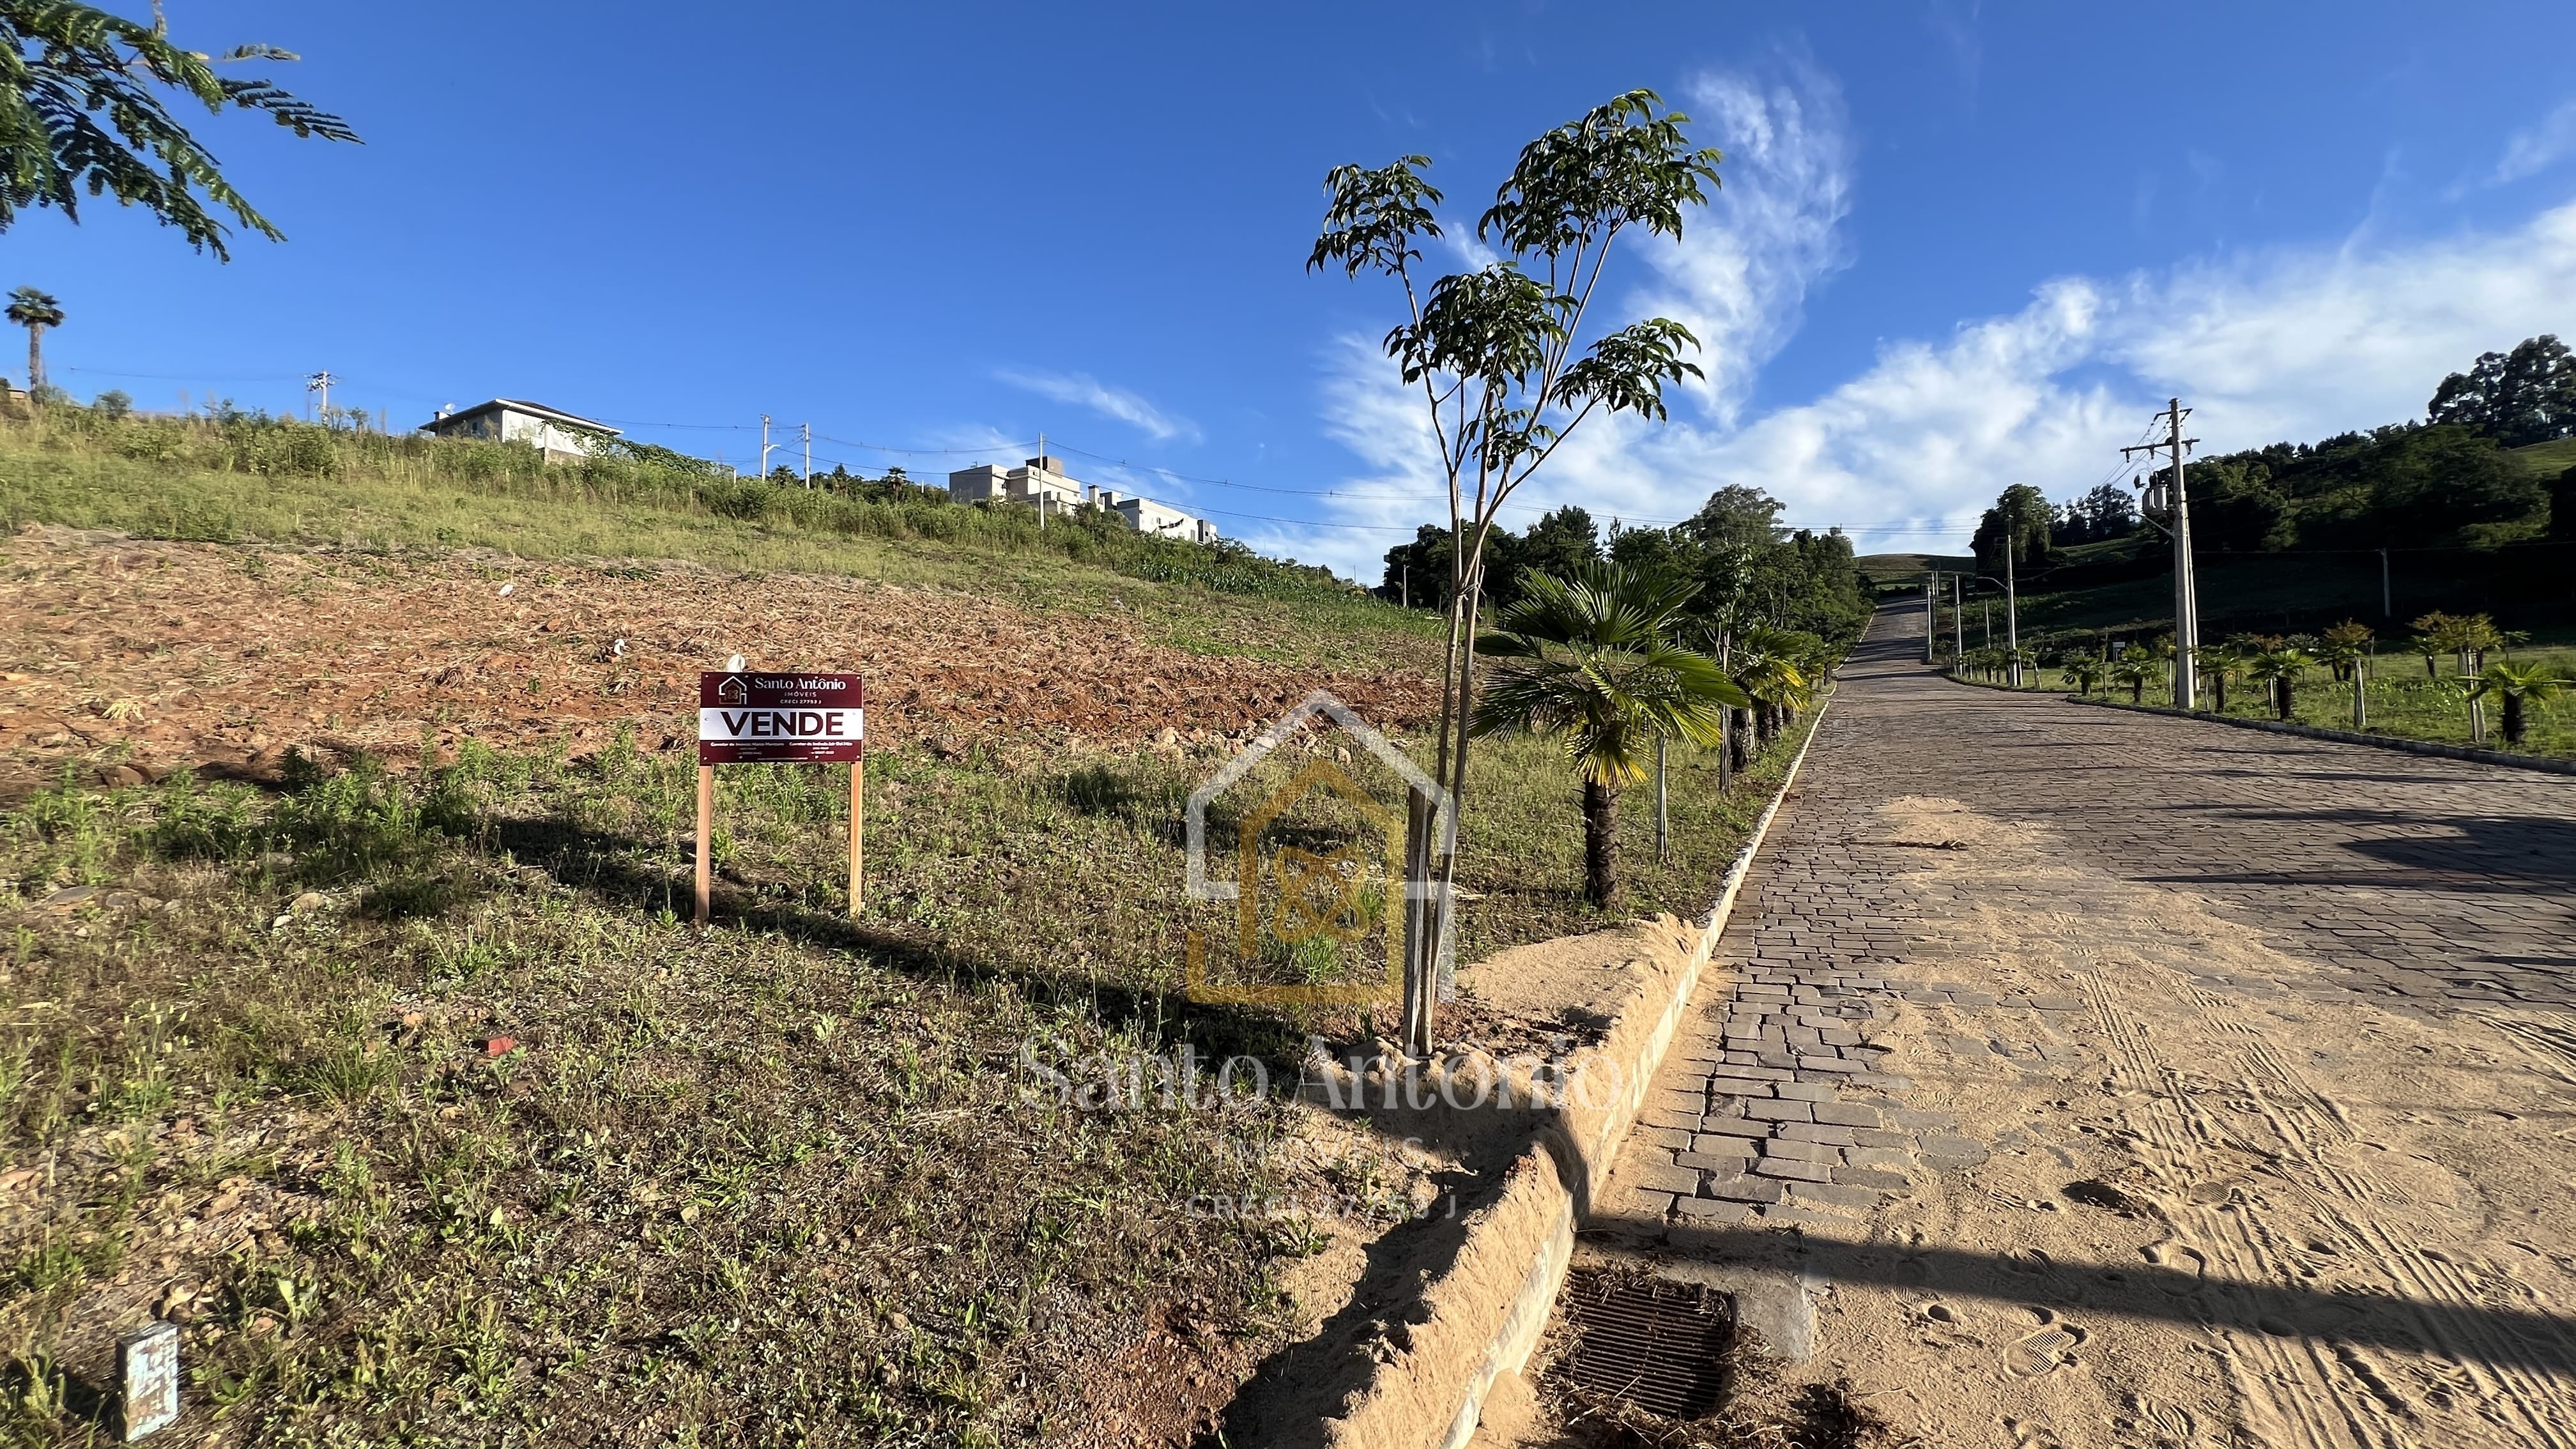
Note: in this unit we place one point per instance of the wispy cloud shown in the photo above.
(2530, 152)
(2286, 343)
(1085, 391)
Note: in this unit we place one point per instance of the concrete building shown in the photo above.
(1041, 483)
(1147, 516)
(561, 436)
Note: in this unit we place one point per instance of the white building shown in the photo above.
(1041, 483)
(1147, 516)
(561, 436)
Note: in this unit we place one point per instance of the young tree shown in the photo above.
(2082, 673)
(2281, 669)
(1497, 355)
(35, 311)
(80, 111)
(2346, 652)
(2517, 684)
(1591, 659)
(2135, 666)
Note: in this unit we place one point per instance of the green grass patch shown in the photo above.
(419, 1102)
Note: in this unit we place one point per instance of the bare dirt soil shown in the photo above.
(224, 658)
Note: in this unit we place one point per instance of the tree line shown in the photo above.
(1744, 565)
(2448, 479)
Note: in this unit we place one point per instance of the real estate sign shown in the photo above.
(747, 717)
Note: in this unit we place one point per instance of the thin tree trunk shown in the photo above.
(2513, 720)
(35, 360)
(1663, 815)
(2282, 694)
(1739, 723)
(2218, 687)
(1600, 837)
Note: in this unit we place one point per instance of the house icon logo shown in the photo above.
(1335, 895)
(731, 690)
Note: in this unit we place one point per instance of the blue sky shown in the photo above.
(1957, 246)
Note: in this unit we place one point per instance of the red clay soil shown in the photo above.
(224, 658)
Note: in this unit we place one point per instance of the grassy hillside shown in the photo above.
(1885, 569)
(274, 481)
(2522, 587)
(416, 1101)
(2545, 460)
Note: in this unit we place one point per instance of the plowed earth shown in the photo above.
(223, 659)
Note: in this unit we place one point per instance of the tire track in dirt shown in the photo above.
(2342, 1206)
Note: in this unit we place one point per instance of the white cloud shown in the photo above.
(1086, 391)
(2292, 343)
(2533, 151)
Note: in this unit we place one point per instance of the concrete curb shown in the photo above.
(2508, 760)
(1465, 1334)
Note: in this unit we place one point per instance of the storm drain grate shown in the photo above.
(1660, 1345)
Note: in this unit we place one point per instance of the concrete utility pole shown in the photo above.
(2387, 607)
(2012, 617)
(806, 432)
(1958, 619)
(321, 382)
(2186, 680)
(1931, 614)
(764, 445)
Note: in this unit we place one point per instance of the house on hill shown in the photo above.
(1041, 484)
(561, 436)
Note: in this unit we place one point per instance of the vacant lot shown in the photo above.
(350, 1016)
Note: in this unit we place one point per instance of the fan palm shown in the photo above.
(2083, 674)
(2281, 669)
(2346, 651)
(2517, 684)
(1590, 659)
(2135, 666)
(35, 311)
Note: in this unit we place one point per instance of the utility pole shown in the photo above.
(2012, 616)
(764, 445)
(2186, 693)
(2387, 609)
(321, 382)
(1931, 614)
(1958, 620)
(1405, 583)
(1986, 616)
(806, 431)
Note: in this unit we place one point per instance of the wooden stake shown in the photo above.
(706, 839)
(858, 827)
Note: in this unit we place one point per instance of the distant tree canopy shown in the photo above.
(2449, 480)
(2518, 398)
(1750, 568)
(2021, 520)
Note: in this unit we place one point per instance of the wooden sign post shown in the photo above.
(748, 717)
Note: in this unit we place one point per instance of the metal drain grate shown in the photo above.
(1658, 1344)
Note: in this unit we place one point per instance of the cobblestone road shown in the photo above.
(2401, 892)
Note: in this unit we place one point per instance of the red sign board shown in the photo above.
(748, 718)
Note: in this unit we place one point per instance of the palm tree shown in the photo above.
(1590, 659)
(2083, 674)
(2347, 651)
(35, 311)
(2516, 683)
(2220, 663)
(1773, 667)
(2281, 669)
(2135, 666)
